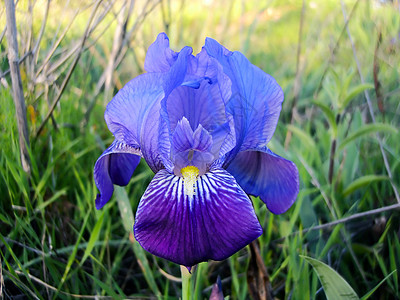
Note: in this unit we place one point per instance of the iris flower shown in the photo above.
(202, 123)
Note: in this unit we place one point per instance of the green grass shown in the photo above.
(55, 244)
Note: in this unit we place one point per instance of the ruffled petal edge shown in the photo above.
(115, 166)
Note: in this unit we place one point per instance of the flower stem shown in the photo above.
(186, 292)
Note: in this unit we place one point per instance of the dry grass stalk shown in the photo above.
(18, 92)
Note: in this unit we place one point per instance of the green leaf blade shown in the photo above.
(361, 182)
(367, 129)
(353, 93)
(335, 287)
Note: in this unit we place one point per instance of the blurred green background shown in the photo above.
(338, 64)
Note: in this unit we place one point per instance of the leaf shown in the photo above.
(105, 287)
(53, 198)
(330, 115)
(17, 261)
(353, 93)
(361, 182)
(304, 137)
(335, 287)
(125, 210)
(93, 238)
(367, 129)
(367, 295)
(347, 81)
(72, 256)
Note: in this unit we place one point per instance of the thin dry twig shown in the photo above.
(125, 45)
(57, 43)
(18, 92)
(48, 286)
(297, 84)
(3, 33)
(20, 61)
(316, 183)
(120, 31)
(71, 69)
(345, 220)
(41, 32)
(169, 276)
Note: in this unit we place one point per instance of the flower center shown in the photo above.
(190, 174)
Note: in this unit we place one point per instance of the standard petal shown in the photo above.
(200, 106)
(133, 115)
(160, 57)
(203, 107)
(263, 173)
(213, 224)
(256, 98)
(115, 166)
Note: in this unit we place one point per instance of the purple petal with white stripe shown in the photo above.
(213, 224)
(263, 173)
(115, 166)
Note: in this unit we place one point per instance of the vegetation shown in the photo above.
(338, 63)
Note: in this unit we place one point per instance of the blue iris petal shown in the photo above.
(191, 148)
(265, 174)
(115, 166)
(256, 98)
(132, 115)
(160, 57)
(201, 107)
(184, 138)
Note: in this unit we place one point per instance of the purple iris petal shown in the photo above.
(115, 166)
(160, 57)
(263, 173)
(213, 224)
(200, 106)
(133, 115)
(184, 138)
(191, 147)
(177, 74)
(203, 107)
(256, 98)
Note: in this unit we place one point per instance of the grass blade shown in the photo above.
(335, 287)
(105, 287)
(128, 220)
(354, 92)
(361, 182)
(367, 129)
(93, 238)
(367, 295)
